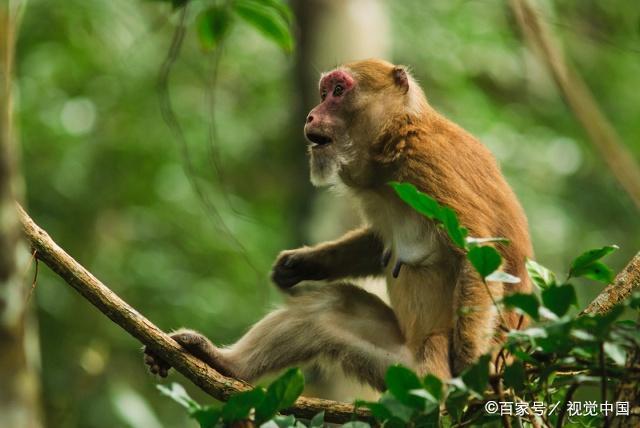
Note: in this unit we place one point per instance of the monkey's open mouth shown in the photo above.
(318, 140)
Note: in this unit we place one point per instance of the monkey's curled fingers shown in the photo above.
(293, 266)
(157, 365)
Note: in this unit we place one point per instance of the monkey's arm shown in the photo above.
(356, 254)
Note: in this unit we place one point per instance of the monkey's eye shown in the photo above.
(323, 94)
(338, 90)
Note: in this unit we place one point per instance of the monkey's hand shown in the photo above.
(293, 266)
(194, 343)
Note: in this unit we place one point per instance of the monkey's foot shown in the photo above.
(202, 348)
(157, 365)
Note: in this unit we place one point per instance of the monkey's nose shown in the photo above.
(309, 119)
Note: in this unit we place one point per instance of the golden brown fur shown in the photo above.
(373, 126)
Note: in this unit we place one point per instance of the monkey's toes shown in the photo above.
(157, 365)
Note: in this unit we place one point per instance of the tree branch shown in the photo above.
(580, 99)
(209, 380)
(621, 288)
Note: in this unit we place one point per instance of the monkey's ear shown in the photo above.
(400, 78)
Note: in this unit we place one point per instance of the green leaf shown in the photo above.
(581, 266)
(378, 410)
(527, 303)
(558, 299)
(434, 385)
(283, 10)
(597, 271)
(239, 405)
(417, 200)
(267, 20)
(616, 352)
(485, 259)
(540, 275)
(282, 393)
(212, 25)
(400, 381)
(396, 408)
(207, 417)
(317, 421)
(476, 377)
(500, 276)
(515, 376)
(455, 403)
(592, 255)
(429, 207)
(281, 421)
(178, 394)
(451, 224)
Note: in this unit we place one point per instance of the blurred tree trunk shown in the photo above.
(330, 33)
(19, 387)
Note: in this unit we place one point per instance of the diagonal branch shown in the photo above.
(121, 313)
(580, 99)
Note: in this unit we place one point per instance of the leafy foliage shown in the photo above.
(279, 395)
(272, 18)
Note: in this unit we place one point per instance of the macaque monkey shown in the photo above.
(372, 126)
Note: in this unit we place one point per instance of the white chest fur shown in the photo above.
(411, 237)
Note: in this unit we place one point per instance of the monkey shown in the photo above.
(373, 126)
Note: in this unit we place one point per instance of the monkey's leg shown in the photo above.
(356, 254)
(476, 320)
(435, 356)
(340, 323)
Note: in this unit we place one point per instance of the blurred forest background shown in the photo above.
(108, 179)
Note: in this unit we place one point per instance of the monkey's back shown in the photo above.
(448, 163)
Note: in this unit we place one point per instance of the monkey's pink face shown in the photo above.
(327, 125)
